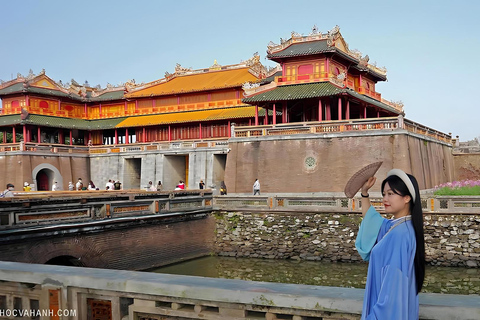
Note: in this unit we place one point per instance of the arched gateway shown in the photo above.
(44, 175)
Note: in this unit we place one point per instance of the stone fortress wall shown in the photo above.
(450, 240)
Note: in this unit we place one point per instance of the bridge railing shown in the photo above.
(48, 208)
(81, 293)
(336, 203)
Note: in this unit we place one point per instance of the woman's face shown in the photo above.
(394, 203)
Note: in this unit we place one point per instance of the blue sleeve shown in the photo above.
(393, 299)
(368, 232)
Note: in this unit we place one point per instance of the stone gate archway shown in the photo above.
(52, 174)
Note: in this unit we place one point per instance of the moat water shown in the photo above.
(350, 275)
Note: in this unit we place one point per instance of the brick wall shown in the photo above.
(134, 248)
(324, 164)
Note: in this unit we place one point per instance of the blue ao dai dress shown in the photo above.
(390, 292)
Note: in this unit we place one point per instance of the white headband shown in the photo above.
(402, 175)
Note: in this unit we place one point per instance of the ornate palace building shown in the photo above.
(186, 125)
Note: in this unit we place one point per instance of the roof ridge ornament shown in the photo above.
(315, 31)
(253, 60)
(333, 35)
(181, 70)
(215, 66)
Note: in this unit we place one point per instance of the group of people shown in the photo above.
(113, 185)
(152, 187)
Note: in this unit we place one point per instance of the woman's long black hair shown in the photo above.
(398, 186)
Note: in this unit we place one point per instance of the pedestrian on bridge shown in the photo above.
(256, 187)
(79, 185)
(395, 249)
(8, 193)
(151, 187)
(26, 187)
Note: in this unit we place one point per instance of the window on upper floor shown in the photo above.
(305, 69)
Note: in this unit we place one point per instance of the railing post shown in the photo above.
(400, 122)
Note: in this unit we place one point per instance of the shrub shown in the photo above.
(458, 188)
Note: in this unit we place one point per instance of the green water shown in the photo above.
(350, 275)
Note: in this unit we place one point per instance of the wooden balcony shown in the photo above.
(323, 77)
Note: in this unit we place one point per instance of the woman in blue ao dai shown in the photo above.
(395, 249)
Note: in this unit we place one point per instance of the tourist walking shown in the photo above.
(109, 185)
(151, 187)
(55, 186)
(8, 193)
(256, 187)
(71, 187)
(394, 248)
(201, 185)
(26, 187)
(79, 185)
(159, 186)
(91, 186)
(117, 185)
(223, 188)
(181, 185)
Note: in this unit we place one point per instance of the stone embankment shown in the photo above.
(451, 240)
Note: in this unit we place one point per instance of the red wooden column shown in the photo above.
(71, 136)
(229, 133)
(329, 113)
(126, 136)
(200, 130)
(169, 133)
(144, 136)
(339, 108)
(60, 136)
(4, 136)
(320, 111)
(256, 115)
(85, 109)
(364, 111)
(284, 112)
(14, 133)
(39, 135)
(274, 114)
(126, 107)
(265, 117)
(378, 113)
(89, 137)
(25, 133)
(27, 101)
(347, 113)
(116, 136)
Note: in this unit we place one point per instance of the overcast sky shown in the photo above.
(431, 49)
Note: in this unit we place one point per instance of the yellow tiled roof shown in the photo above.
(198, 82)
(192, 116)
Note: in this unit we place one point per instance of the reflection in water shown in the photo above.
(350, 275)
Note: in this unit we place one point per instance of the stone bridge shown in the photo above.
(133, 230)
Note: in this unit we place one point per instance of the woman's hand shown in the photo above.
(368, 184)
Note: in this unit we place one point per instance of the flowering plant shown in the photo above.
(458, 188)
